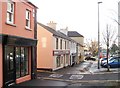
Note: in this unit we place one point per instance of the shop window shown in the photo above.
(21, 61)
(9, 57)
(17, 57)
(58, 61)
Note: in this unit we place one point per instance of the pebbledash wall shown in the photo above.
(17, 41)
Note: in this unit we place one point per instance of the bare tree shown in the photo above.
(108, 39)
(92, 46)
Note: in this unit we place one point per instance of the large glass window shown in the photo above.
(21, 61)
(17, 58)
(9, 57)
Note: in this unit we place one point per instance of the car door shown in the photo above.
(115, 63)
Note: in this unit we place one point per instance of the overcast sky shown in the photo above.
(78, 15)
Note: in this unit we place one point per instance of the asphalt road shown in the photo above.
(71, 77)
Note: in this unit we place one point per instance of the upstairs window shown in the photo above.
(65, 45)
(61, 44)
(10, 12)
(28, 19)
(56, 43)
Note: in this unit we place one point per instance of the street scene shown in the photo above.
(84, 75)
(59, 43)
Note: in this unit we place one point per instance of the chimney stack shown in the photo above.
(52, 25)
(64, 31)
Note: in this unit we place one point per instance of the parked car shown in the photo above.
(113, 63)
(90, 58)
(104, 60)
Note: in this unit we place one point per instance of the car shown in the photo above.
(90, 58)
(104, 60)
(113, 63)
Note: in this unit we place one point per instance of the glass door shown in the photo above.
(9, 66)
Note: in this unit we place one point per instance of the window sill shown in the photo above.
(27, 28)
(10, 24)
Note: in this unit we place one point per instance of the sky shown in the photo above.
(79, 15)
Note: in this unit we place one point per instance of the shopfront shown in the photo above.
(62, 58)
(18, 59)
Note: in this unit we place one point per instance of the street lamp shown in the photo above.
(98, 38)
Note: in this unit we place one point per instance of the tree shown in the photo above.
(92, 46)
(108, 39)
(113, 49)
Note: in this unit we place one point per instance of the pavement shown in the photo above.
(85, 73)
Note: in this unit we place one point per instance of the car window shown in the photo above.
(116, 60)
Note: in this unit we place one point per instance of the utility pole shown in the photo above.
(98, 38)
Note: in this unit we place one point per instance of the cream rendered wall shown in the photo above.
(44, 48)
(1, 66)
(80, 49)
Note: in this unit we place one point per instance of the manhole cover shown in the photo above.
(56, 75)
(76, 77)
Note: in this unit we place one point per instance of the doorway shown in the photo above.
(9, 65)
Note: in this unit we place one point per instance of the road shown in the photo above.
(84, 75)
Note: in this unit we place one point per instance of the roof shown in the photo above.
(74, 34)
(49, 29)
(56, 33)
(31, 3)
(66, 37)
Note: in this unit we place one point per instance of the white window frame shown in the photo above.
(10, 12)
(28, 18)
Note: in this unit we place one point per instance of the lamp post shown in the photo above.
(98, 38)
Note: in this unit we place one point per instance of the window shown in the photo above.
(56, 43)
(28, 19)
(61, 44)
(65, 45)
(21, 61)
(58, 61)
(10, 12)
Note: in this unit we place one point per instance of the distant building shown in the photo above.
(53, 49)
(80, 44)
(17, 41)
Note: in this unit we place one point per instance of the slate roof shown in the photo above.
(55, 33)
(74, 34)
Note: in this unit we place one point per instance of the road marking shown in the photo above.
(81, 81)
(56, 75)
(76, 76)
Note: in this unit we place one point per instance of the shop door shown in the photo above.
(9, 66)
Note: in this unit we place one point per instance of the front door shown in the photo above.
(9, 65)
